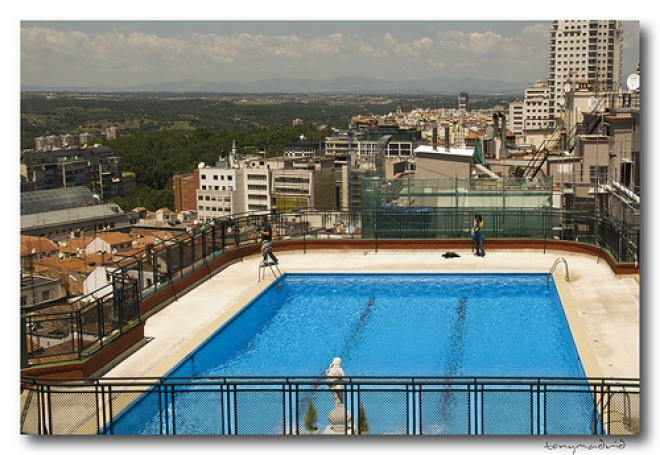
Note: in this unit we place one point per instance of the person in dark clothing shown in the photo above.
(478, 235)
(266, 232)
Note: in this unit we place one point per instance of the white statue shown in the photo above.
(335, 374)
(339, 417)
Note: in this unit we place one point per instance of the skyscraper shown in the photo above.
(584, 50)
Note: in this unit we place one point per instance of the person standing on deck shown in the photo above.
(266, 232)
(478, 235)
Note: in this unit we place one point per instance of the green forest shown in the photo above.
(61, 115)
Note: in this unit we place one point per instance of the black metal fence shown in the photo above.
(307, 406)
(79, 329)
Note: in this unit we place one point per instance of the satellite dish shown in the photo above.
(561, 101)
(633, 81)
(201, 165)
(592, 103)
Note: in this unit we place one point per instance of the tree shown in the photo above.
(311, 417)
(363, 422)
(152, 199)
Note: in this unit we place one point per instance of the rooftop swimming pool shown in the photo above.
(395, 325)
(384, 325)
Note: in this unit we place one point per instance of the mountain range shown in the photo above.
(349, 84)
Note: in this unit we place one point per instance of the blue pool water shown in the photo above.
(394, 325)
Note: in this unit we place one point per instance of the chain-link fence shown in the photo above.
(308, 406)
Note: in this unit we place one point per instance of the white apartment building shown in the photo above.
(215, 195)
(517, 117)
(536, 108)
(589, 50)
(255, 186)
(228, 189)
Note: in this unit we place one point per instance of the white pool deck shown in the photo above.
(603, 309)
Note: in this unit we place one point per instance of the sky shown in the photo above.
(119, 53)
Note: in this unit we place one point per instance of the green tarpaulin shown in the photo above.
(477, 157)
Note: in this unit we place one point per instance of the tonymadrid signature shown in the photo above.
(600, 445)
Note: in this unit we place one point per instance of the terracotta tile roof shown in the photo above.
(115, 238)
(162, 235)
(40, 245)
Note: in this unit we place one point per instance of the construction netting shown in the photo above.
(445, 207)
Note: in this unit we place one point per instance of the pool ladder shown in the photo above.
(554, 266)
(274, 269)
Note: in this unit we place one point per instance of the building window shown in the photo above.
(45, 295)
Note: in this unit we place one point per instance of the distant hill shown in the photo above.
(350, 84)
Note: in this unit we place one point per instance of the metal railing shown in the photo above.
(81, 328)
(554, 266)
(307, 406)
(77, 330)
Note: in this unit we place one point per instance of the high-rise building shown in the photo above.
(463, 102)
(589, 50)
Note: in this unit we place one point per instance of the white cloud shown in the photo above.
(413, 49)
(477, 44)
(160, 53)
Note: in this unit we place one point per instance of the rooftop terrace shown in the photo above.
(602, 308)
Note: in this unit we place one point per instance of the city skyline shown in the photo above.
(123, 53)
